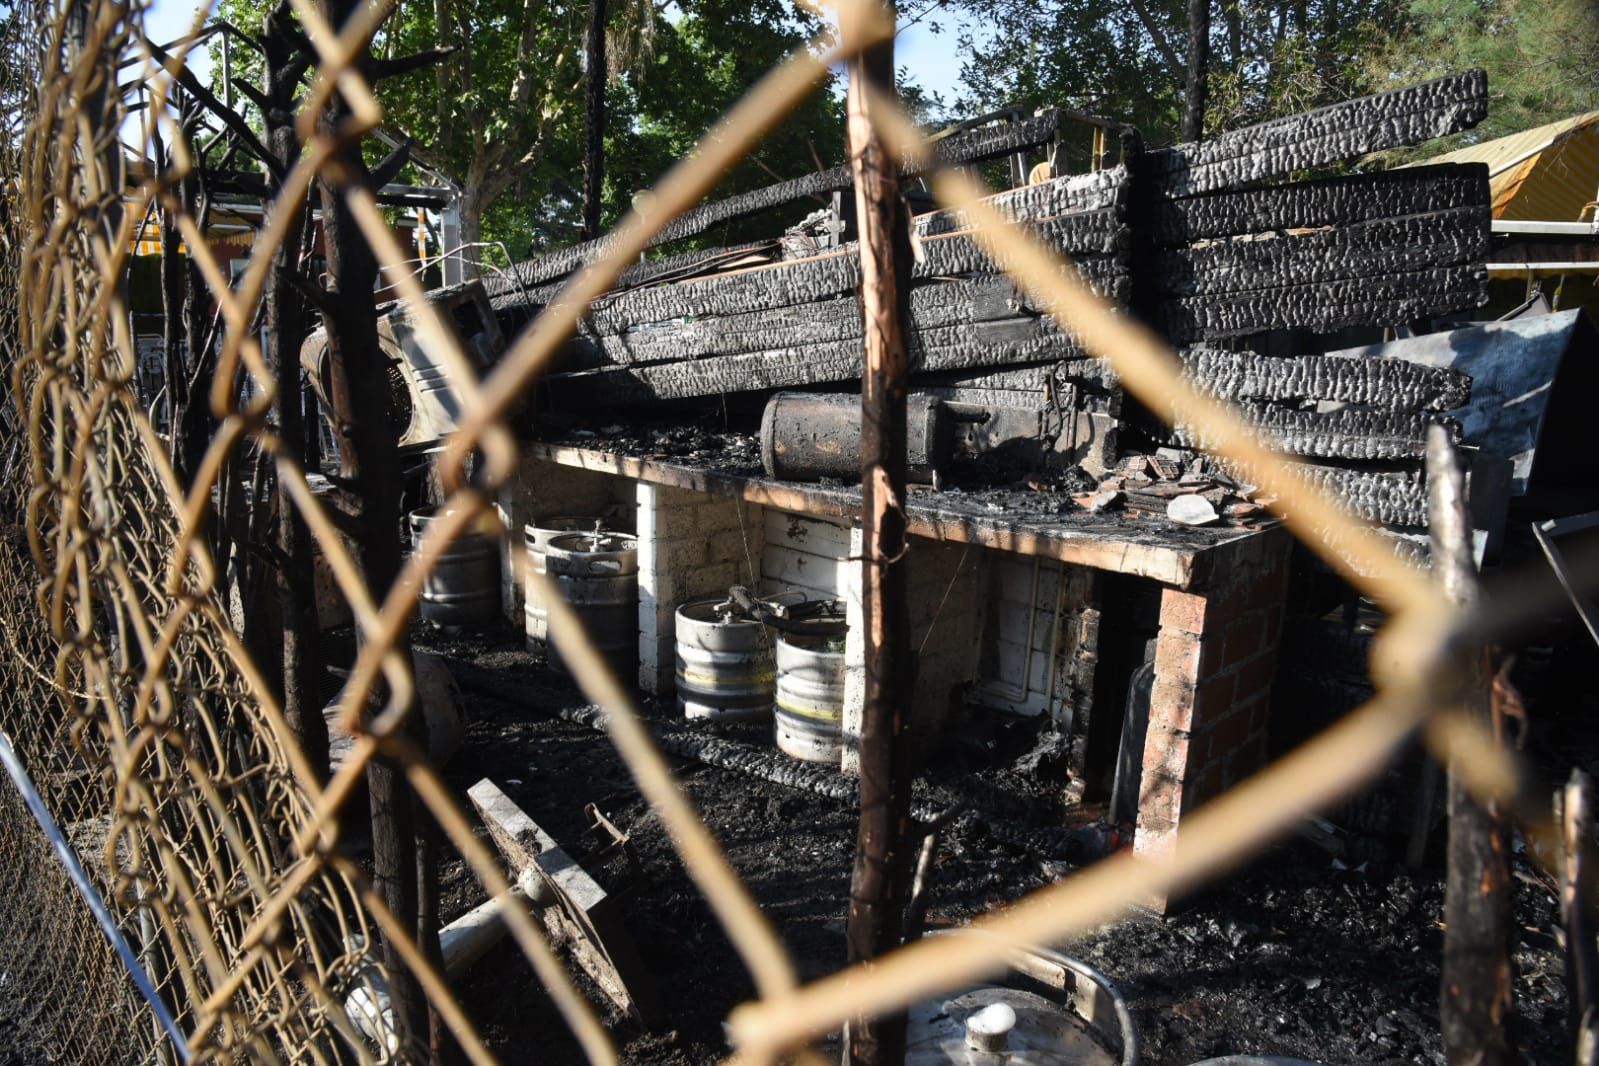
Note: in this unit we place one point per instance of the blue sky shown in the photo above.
(932, 60)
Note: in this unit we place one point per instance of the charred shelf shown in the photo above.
(1182, 556)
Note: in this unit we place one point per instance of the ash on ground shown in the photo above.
(1297, 955)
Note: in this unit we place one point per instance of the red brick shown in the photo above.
(1267, 589)
(1171, 703)
(1204, 785)
(1249, 757)
(1166, 753)
(1216, 695)
(1179, 656)
(1244, 638)
(1229, 734)
(1255, 677)
(1183, 611)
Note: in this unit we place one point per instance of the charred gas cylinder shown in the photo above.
(809, 436)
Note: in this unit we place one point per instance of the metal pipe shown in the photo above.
(91, 896)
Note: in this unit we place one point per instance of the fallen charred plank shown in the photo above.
(1097, 239)
(1390, 384)
(1349, 433)
(1104, 190)
(1323, 306)
(946, 348)
(1328, 202)
(1365, 249)
(971, 147)
(934, 303)
(1332, 134)
(1390, 497)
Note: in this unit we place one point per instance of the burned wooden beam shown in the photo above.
(1383, 299)
(1098, 239)
(1389, 384)
(1376, 248)
(1332, 134)
(934, 304)
(947, 348)
(580, 913)
(1349, 433)
(1477, 976)
(971, 147)
(1391, 497)
(1338, 201)
(1103, 190)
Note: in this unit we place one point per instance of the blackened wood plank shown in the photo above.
(1391, 384)
(934, 303)
(1328, 202)
(1332, 134)
(1097, 241)
(950, 348)
(1365, 249)
(974, 146)
(1349, 433)
(1327, 305)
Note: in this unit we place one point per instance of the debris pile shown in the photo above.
(1190, 489)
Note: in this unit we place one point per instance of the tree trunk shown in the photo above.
(1198, 70)
(880, 882)
(594, 77)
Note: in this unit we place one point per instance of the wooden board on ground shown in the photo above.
(583, 916)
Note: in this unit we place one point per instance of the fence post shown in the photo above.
(880, 879)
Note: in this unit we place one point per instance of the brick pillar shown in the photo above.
(1210, 705)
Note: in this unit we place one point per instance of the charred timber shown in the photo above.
(947, 348)
(1328, 202)
(1391, 384)
(1389, 497)
(1350, 433)
(1104, 190)
(973, 147)
(1331, 134)
(933, 304)
(1098, 239)
(1384, 300)
(1365, 249)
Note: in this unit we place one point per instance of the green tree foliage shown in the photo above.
(1124, 58)
(705, 57)
(1542, 57)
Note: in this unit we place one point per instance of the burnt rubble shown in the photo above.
(1211, 244)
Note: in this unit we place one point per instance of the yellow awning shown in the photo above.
(1547, 173)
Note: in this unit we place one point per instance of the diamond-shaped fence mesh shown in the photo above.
(161, 753)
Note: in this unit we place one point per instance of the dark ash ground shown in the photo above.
(1294, 956)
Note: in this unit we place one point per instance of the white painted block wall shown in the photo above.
(541, 489)
(691, 545)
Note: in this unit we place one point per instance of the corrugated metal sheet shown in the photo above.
(1548, 172)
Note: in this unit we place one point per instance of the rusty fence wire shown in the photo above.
(160, 750)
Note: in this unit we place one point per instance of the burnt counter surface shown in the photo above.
(1006, 518)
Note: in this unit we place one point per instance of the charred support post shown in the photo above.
(283, 326)
(1476, 979)
(368, 440)
(880, 883)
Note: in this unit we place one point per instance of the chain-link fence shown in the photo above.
(161, 752)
